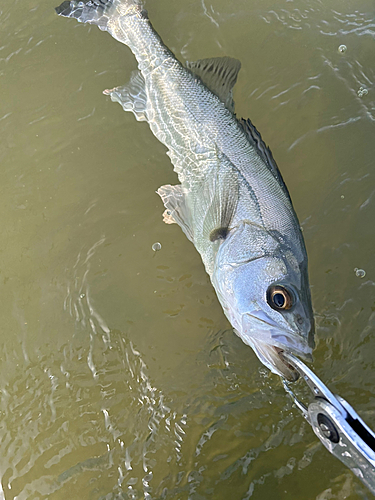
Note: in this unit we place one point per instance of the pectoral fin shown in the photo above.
(220, 202)
(174, 199)
(206, 210)
(219, 74)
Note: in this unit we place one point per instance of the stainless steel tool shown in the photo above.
(336, 424)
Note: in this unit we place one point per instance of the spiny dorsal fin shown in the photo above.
(263, 151)
(219, 74)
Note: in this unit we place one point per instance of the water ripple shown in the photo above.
(320, 17)
(347, 67)
(156, 422)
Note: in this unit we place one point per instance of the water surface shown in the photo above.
(120, 376)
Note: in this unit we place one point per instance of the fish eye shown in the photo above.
(279, 298)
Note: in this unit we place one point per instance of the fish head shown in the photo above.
(265, 294)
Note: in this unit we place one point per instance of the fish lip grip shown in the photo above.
(336, 424)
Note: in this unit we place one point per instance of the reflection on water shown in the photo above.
(119, 376)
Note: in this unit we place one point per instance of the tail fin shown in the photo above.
(95, 11)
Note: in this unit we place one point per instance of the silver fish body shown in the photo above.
(231, 201)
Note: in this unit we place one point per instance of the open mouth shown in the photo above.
(272, 357)
(270, 341)
(289, 373)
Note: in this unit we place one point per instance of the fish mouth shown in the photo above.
(272, 357)
(279, 364)
(269, 342)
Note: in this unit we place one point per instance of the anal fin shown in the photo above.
(132, 96)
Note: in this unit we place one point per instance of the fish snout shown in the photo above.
(305, 328)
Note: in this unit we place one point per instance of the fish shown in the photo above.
(231, 201)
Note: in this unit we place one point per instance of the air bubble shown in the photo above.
(82, 296)
(342, 49)
(156, 246)
(360, 273)
(362, 91)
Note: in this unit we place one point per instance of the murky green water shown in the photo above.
(119, 374)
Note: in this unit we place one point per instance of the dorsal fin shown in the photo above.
(263, 151)
(219, 74)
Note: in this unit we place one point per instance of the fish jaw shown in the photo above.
(268, 341)
(271, 357)
(263, 329)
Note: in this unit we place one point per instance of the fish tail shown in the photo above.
(97, 12)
